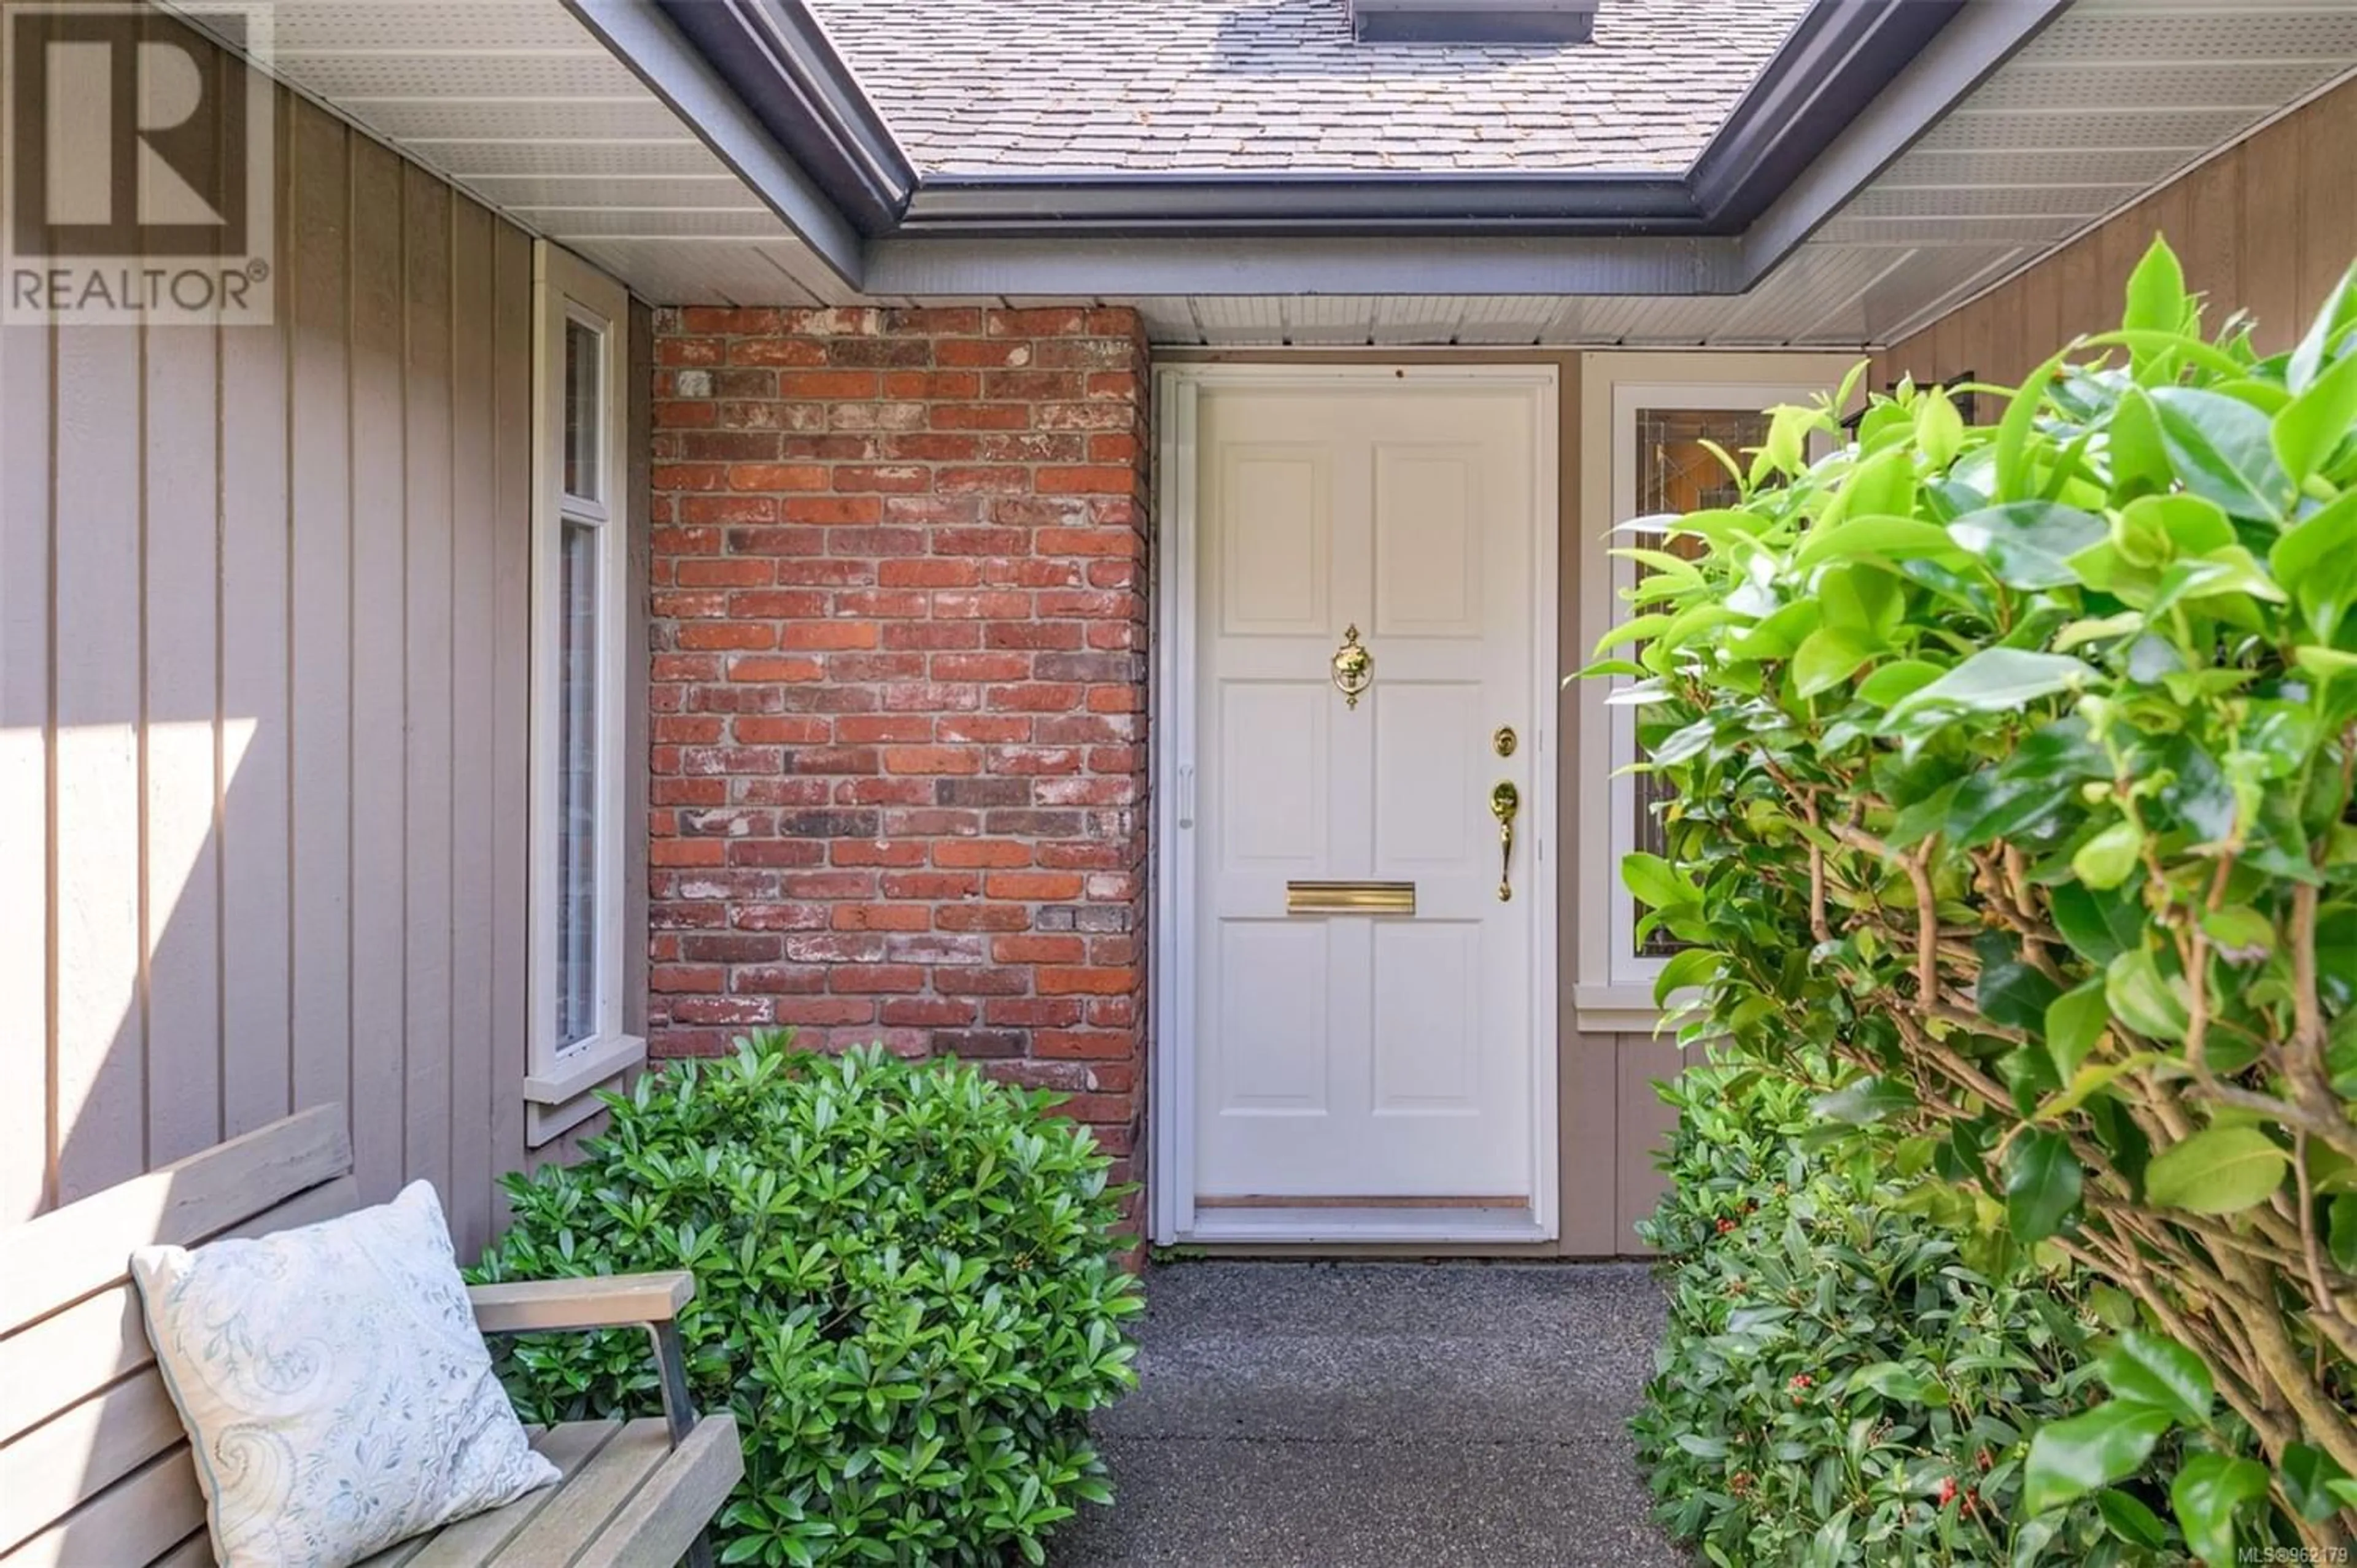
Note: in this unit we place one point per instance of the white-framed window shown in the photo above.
(1644, 420)
(580, 575)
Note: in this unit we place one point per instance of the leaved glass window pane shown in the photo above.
(585, 388)
(576, 787)
(1676, 473)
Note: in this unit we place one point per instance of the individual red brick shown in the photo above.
(778, 477)
(1056, 321)
(1099, 982)
(821, 385)
(829, 635)
(865, 979)
(1032, 887)
(1085, 479)
(882, 917)
(932, 386)
(992, 853)
(929, 1012)
(982, 415)
(764, 668)
(980, 353)
(1034, 949)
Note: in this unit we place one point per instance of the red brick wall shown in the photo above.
(899, 688)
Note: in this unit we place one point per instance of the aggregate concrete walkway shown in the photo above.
(1381, 1415)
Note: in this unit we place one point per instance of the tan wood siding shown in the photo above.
(2267, 226)
(263, 606)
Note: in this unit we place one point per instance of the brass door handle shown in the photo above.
(1504, 801)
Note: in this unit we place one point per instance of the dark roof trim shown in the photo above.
(679, 73)
(1002, 206)
(1839, 57)
(780, 61)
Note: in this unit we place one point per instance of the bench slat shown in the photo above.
(581, 1510)
(51, 1364)
(597, 1301)
(134, 1522)
(52, 1468)
(477, 1540)
(668, 1513)
(66, 1254)
(197, 1552)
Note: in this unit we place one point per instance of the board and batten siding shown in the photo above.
(264, 601)
(2268, 226)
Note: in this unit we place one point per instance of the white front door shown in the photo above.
(1351, 1053)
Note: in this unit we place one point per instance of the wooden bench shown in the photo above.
(94, 1466)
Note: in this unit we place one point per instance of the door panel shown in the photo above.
(1276, 543)
(1351, 1057)
(1427, 541)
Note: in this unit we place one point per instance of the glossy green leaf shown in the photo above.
(1829, 656)
(2146, 1368)
(1887, 538)
(2011, 990)
(2041, 1185)
(1687, 967)
(2155, 292)
(2340, 1232)
(2142, 999)
(2319, 420)
(1655, 882)
(2071, 1458)
(2308, 1473)
(2130, 1519)
(1864, 1102)
(2223, 450)
(2322, 344)
(1890, 682)
(2316, 563)
(2219, 1170)
(1995, 679)
(2029, 544)
(2075, 1022)
(2111, 857)
(2209, 1490)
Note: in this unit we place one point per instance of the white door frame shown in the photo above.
(1171, 1102)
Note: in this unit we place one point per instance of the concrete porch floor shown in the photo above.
(1368, 1415)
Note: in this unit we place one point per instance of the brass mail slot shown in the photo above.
(1349, 898)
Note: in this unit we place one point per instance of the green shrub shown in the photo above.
(1834, 1386)
(905, 1290)
(2014, 769)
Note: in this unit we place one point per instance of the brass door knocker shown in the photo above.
(1354, 667)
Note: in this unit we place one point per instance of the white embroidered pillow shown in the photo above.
(338, 1395)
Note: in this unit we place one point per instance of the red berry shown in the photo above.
(1947, 1491)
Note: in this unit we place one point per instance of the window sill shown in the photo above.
(558, 1100)
(1619, 1009)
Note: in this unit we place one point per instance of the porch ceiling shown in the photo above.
(519, 103)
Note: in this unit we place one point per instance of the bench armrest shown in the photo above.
(609, 1301)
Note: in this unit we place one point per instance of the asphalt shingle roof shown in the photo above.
(1068, 86)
